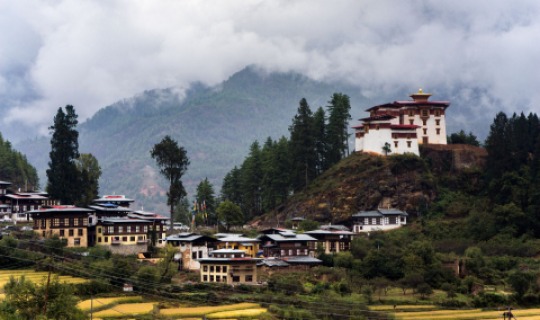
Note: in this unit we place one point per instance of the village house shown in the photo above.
(400, 126)
(69, 223)
(331, 240)
(378, 220)
(238, 242)
(191, 246)
(276, 242)
(13, 205)
(123, 235)
(230, 266)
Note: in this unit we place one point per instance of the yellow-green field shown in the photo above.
(99, 303)
(126, 309)
(207, 310)
(404, 313)
(34, 276)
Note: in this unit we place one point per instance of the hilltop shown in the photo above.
(367, 181)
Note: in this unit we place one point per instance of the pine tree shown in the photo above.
(207, 200)
(302, 147)
(230, 189)
(63, 177)
(90, 171)
(250, 182)
(172, 161)
(319, 131)
(338, 122)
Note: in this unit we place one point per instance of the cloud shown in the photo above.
(93, 53)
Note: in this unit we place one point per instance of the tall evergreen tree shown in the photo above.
(338, 122)
(172, 161)
(207, 200)
(90, 171)
(302, 147)
(63, 177)
(497, 144)
(319, 132)
(230, 189)
(250, 181)
(14, 167)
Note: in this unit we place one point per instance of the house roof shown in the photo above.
(25, 196)
(237, 239)
(333, 227)
(108, 207)
(113, 220)
(188, 237)
(379, 213)
(301, 260)
(405, 103)
(285, 237)
(378, 117)
(272, 262)
(338, 232)
(5, 183)
(60, 209)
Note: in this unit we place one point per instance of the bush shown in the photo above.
(453, 304)
(484, 299)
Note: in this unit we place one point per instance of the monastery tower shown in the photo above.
(402, 125)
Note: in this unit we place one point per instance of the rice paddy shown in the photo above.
(35, 276)
(405, 313)
(206, 310)
(100, 303)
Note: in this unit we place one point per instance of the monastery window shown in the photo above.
(236, 278)
(411, 121)
(408, 144)
(200, 254)
(395, 144)
(438, 122)
(70, 232)
(424, 122)
(386, 220)
(425, 131)
(437, 113)
(425, 113)
(438, 131)
(411, 113)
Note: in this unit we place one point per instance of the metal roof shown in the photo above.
(301, 260)
(379, 213)
(295, 237)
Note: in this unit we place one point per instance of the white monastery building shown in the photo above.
(402, 126)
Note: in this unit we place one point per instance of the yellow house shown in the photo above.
(67, 222)
(123, 235)
(238, 242)
(229, 266)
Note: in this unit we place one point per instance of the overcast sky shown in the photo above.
(93, 53)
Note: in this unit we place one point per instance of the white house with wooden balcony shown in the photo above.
(378, 220)
(401, 126)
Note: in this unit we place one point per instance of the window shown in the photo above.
(224, 268)
(137, 229)
(61, 232)
(200, 254)
(425, 131)
(79, 232)
(211, 268)
(128, 229)
(218, 278)
(249, 278)
(211, 278)
(145, 229)
(411, 121)
(120, 229)
(77, 241)
(437, 113)
(132, 238)
(110, 229)
(194, 255)
(224, 278)
(205, 268)
(70, 232)
(373, 220)
(106, 239)
(366, 220)
(438, 131)
(424, 122)
(438, 122)
(43, 224)
(76, 222)
(99, 230)
(395, 144)
(218, 268)
(124, 239)
(99, 239)
(236, 279)
(408, 144)
(205, 278)
(425, 113)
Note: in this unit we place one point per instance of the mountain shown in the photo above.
(214, 124)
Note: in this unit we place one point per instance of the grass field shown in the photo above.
(125, 310)
(207, 310)
(100, 303)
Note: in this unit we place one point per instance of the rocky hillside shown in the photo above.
(366, 181)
